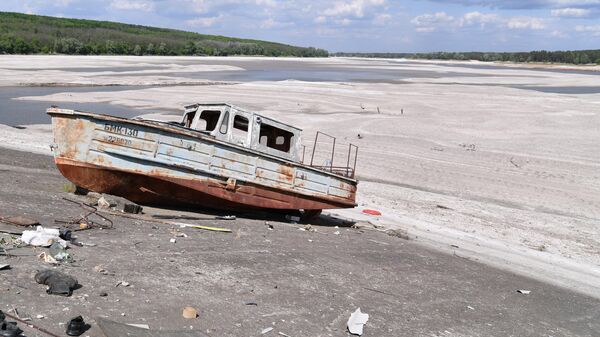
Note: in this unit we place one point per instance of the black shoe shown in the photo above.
(76, 326)
(9, 329)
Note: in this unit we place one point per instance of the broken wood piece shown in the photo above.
(19, 221)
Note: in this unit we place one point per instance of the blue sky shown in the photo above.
(358, 25)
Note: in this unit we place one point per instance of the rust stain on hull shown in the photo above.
(164, 190)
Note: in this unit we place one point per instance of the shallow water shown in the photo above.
(20, 112)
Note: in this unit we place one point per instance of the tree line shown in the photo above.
(34, 34)
(569, 56)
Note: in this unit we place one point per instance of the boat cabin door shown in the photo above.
(240, 130)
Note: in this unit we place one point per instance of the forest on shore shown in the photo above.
(36, 34)
(541, 56)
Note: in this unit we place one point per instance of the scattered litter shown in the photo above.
(173, 240)
(103, 203)
(283, 334)
(141, 326)
(42, 237)
(190, 312)
(122, 283)
(215, 229)
(31, 325)
(9, 329)
(269, 225)
(266, 330)
(454, 246)
(524, 292)
(336, 233)
(115, 329)
(100, 269)
(356, 322)
(308, 228)
(84, 222)
(225, 217)
(468, 147)
(292, 218)
(4, 266)
(470, 307)
(132, 208)
(40, 316)
(443, 207)
(371, 212)
(76, 326)
(103, 294)
(399, 233)
(65, 234)
(59, 253)
(19, 221)
(251, 303)
(47, 258)
(58, 283)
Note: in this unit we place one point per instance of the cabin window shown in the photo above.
(240, 126)
(224, 123)
(189, 118)
(208, 120)
(275, 138)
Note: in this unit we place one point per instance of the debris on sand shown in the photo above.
(76, 326)
(399, 233)
(190, 312)
(42, 237)
(371, 212)
(468, 147)
(266, 330)
(19, 221)
(132, 208)
(58, 283)
(357, 321)
(524, 292)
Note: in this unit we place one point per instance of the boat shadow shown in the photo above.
(184, 213)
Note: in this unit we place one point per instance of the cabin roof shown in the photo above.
(195, 105)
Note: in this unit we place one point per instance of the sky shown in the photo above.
(358, 25)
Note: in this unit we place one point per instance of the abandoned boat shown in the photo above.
(219, 156)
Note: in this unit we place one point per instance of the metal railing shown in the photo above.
(346, 171)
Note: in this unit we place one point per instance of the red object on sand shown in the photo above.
(371, 211)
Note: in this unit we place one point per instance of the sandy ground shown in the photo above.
(478, 161)
(298, 282)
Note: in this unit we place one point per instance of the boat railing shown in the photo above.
(330, 156)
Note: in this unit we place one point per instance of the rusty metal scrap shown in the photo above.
(84, 221)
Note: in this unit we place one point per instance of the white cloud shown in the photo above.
(320, 19)
(525, 23)
(271, 23)
(571, 12)
(138, 5)
(267, 3)
(343, 22)
(428, 23)
(354, 8)
(381, 19)
(473, 18)
(593, 29)
(559, 34)
(205, 21)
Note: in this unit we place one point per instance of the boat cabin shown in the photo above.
(244, 128)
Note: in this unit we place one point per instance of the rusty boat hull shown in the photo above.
(155, 163)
